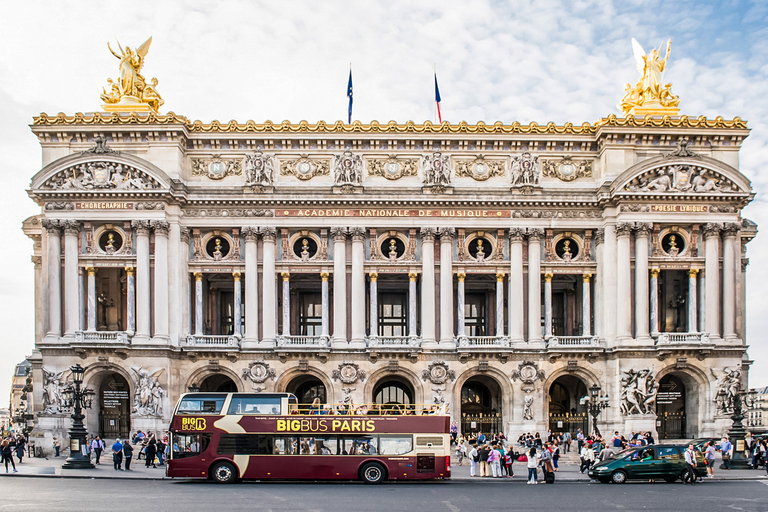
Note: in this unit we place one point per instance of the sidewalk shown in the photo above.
(51, 467)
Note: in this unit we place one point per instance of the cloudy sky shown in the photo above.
(538, 60)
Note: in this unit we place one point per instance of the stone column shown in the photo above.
(72, 303)
(547, 305)
(177, 270)
(447, 338)
(516, 321)
(428, 288)
(198, 303)
(236, 321)
(499, 304)
(730, 230)
(599, 326)
(586, 315)
(608, 276)
(185, 282)
(143, 311)
(374, 311)
(460, 331)
(326, 308)
(91, 298)
(712, 269)
(286, 303)
(623, 283)
(339, 287)
(269, 288)
(130, 299)
(54, 277)
(642, 230)
(534, 285)
(412, 305)
(251, 288)
(358, 287)
(654, 302)
(161, 280)
(692, 305)
(82, 299)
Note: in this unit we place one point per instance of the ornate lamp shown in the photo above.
(79, 400)
(595, 403)
(194, 388)
(77, 374)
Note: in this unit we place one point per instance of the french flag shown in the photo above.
(437, 101)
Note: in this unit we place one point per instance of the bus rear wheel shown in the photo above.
(223, 473)
(372, 473)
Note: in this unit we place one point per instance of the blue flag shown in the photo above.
(349, 93)
(437, 102)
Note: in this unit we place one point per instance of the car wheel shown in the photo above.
(372, 473)
(223, 473)
(618, 477)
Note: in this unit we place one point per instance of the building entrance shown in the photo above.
(114, 407)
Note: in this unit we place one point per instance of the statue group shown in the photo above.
(638, 392)
(648, 92)
(148, 397)
(131, 88)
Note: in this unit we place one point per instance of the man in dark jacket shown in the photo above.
(127, 454)
(117, 455)
(151, 451)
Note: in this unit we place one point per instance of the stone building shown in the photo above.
(504, 269)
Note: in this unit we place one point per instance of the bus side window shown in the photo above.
(360, 445)
(188, 445)
(395, 445)
(285, 446)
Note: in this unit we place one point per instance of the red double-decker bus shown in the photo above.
(232, 436)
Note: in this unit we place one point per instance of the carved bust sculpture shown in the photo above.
(567, 255)
(304, 249)
(217, 254)
(392, 249)
(480, 256)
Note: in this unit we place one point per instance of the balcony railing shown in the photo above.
(296, 341)
(394, 341)
(102, 337)
(669, 338)
(573, 341)
(483, 341)
(212, 340)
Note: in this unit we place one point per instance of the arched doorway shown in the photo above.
(306, 390)
(218, 383)
(481, 406)
(671, 408)
(114, 406)
(566, 413)
(393, 393)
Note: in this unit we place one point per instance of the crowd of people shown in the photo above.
(12, 445)
(153, 449)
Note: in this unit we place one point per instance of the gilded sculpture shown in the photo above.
(131, 92)
(649, 96)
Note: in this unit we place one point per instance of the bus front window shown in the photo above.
(189, 445)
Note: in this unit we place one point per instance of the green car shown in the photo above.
(659, 461)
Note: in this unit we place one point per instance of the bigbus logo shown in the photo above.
(192, 423)
(307, 425)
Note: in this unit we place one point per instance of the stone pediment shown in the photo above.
(100, 172)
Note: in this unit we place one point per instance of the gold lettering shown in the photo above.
(371, 425)
(335, 425)
(281, 425)
(355, 425)
(345, 426)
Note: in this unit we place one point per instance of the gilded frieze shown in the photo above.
(393, 168)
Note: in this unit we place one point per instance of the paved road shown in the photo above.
(21, 494)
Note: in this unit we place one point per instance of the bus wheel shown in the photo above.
(223, 473)
(372, 473)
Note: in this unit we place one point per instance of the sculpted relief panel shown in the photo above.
(101, 175)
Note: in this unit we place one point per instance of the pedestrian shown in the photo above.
(161, 450)
(474, 458)
(454, 432)
(484, 452)
(6, 452)
(555, 454)
(151, 451)
(461, 449)
(579, 440)
(587, 457)
(533, 464)
(20, 447)
(509, 459)
(496, 464)
(56, 445)
(709, 459)
(725, 453)
(566, 441)
(690, 476)
(97, 445)
(117, 455)
(127, 454)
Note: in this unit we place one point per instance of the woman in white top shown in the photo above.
(533, 463)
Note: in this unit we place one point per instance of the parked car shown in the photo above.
(659, 461)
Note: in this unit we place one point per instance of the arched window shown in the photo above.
(309, 390)
(218, 383)
(393, 392)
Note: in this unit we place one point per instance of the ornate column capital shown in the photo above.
(160, 227)
(655, 272)
(712, 229)
(548, 277)
(184, 235)
(643, 228)
(692, 272)
(731, 229)
(286, 276)
(198, 276)
(461, 276)
(71, 227)
(130, 271)
(624, 228)
(268, 233)
(500, 277)
(446, 234)
(339, 233)
(428, 234)
(141, 227)
(91, 271)
(586, 277)
(250, 232)
(357, 233)
(53, 226)
(374, 276)
(535, 234)
(412, 276)
(599, 236)
(324, 276)
(236, 275)
(516, 234)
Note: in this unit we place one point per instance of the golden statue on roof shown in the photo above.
(648, 96)
(131, 92)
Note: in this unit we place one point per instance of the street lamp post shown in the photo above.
(595, 402)
(79, 400)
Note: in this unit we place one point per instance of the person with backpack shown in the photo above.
(509, 459)
(484, 452)
(7, 455)
(474, 458)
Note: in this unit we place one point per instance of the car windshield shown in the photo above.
(631, 453)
